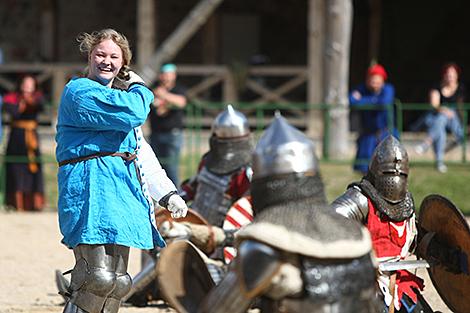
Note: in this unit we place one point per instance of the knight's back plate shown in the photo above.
(439, 215)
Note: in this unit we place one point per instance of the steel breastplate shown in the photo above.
(211, 200)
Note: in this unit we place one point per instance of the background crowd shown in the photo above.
(441, 125)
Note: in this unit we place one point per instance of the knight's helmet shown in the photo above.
(230, 142)
(285, 167)
(230, 124)
(388, 170)
(291, 215)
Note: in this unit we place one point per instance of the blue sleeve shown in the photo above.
(98, 107)
(387, 96)
(362, 90)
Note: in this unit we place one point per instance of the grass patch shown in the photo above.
(424, 180)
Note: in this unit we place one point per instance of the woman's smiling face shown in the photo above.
(105, 62)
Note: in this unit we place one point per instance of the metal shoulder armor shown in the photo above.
(353, 204)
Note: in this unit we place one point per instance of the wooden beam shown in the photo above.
(285, 88)
(375, 29)
(267, 94)
(145, 30)
(210, 41)
(204, 85)
(173, 44)
(47, 30)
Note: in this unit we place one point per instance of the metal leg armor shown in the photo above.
(72, 308)
(99, 279)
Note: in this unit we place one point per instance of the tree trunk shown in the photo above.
(336, 71)
(316, 40)
(173, 44)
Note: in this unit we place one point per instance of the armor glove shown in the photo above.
(177, 206)
(124, 84)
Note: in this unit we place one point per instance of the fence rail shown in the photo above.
(199, 116)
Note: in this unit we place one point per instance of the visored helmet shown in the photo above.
(389, 168)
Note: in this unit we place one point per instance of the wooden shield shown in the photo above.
(163, 215)
(239, 215)
(439, 215)
(183, 276)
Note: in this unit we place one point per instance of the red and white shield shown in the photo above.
(239, 214)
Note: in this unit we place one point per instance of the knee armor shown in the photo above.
(100, 275)
(91, 286)
(122, 287)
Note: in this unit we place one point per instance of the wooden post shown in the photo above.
(316, 39)
(336, 70)
(47, 42)
(58, 82)
(375, 29)
(210, 40)
(173, 44)
(145, 30)
(229, 91)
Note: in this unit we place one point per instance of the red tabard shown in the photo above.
(389, 239)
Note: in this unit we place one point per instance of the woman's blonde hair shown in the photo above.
(88, 42)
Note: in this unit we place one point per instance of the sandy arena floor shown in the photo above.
(30, 251)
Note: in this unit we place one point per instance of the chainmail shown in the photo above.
(284, 188)
(310, 219)
(228, 155)
(332, 280)
(397, 212)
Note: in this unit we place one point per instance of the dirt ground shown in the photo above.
(30, 251)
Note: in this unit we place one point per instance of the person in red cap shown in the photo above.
(373, 122)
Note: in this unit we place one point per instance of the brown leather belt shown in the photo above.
(126, 156)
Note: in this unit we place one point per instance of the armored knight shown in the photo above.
(381, 201)
(224, 172)
(297, 255)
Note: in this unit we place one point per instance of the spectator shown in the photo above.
(373, 122)
(166, 120)
(444, 98)
(24, 178)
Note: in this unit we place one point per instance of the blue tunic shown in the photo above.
(374, 123)
(101, 200)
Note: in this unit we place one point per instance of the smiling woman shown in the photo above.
(108, 54)
(108, 175)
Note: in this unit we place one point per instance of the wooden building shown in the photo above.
(242, 43)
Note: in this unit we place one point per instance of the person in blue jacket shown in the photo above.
(374, 122)
(108, 175)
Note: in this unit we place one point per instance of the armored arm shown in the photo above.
(352, 204)
(250, 276)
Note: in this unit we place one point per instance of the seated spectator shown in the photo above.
(374, 122)
(444, 98)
